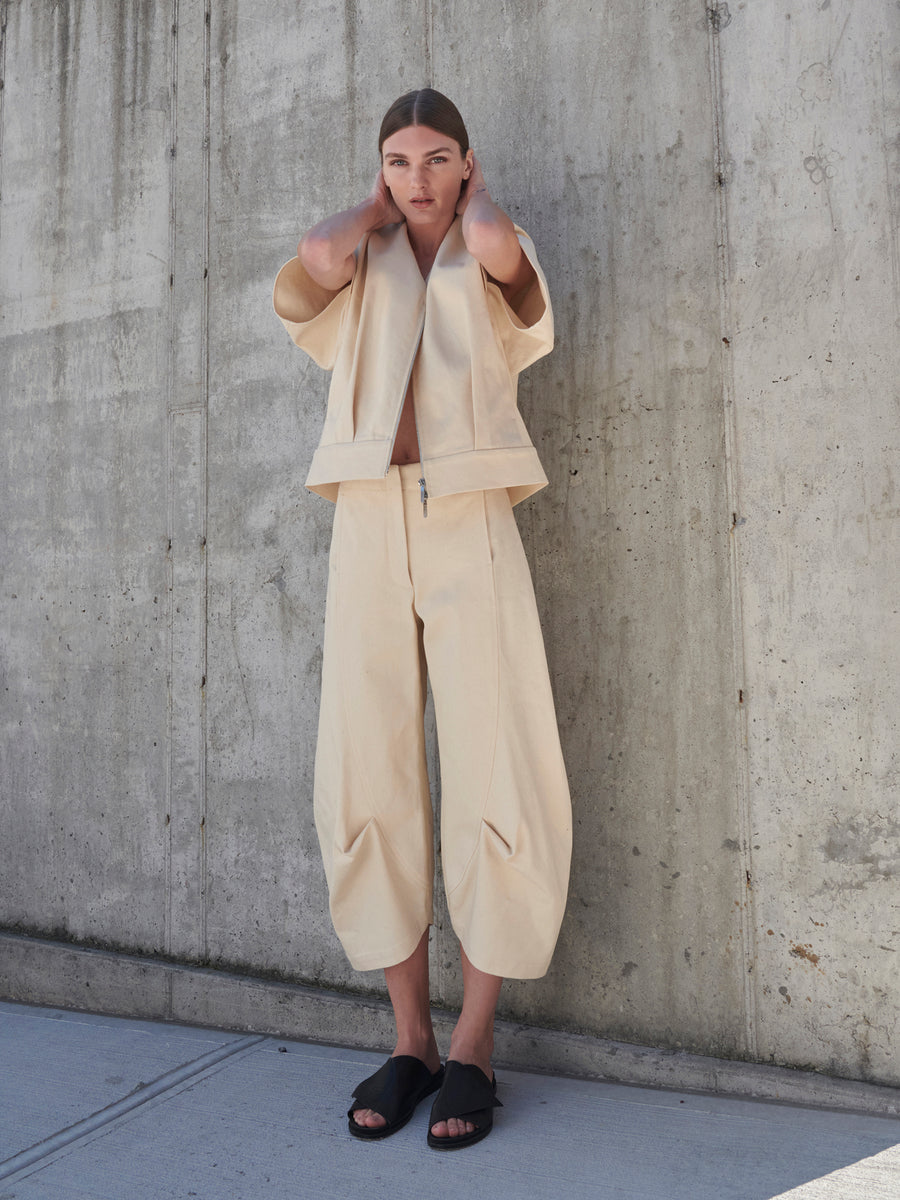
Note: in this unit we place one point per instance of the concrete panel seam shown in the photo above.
(893, 195)
(428, 16)
(204, 352)
(65, 1138)
(187, 483)
(4, 13)
(170, 392)
(739, 697)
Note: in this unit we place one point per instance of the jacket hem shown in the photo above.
(516, 468)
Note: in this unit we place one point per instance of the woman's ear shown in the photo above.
(470, 163)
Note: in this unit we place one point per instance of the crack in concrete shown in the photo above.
(167, 1082)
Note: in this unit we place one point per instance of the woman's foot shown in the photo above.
(464, 1107)
(428, 1054)
(407, 984)
(468, 1052)
(392, 1095)
(472, 1045)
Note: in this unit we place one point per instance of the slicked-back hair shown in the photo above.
(424, 106)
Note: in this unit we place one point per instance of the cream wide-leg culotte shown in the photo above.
(451, 590)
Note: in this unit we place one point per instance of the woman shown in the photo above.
(426, 301)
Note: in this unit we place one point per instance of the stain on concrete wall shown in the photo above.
(714, 191)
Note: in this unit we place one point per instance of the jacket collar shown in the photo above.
(399, 254)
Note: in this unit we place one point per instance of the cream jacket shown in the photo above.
(454, 337)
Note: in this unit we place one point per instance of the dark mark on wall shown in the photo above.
(805, 952)
(820, 165)
(718, 17)
(278, 579)
(866, 848)
(815, 83)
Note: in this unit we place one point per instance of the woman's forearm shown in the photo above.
(487, 230)
(490, 235)
(326, 250)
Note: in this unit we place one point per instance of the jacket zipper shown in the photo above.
(423, 493)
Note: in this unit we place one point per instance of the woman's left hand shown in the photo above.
(474, 184)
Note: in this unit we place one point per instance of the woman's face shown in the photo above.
(425, 170)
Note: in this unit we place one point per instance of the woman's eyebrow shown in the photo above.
(428, 154)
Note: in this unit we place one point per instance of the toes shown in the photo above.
(452, 1128)
(368, 1118)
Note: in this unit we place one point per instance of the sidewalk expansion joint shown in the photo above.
(119, 1108)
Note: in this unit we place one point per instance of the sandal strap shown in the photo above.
(466, 1093)
(395, 1086)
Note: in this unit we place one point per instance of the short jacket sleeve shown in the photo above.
(526, 335)
(311, 314)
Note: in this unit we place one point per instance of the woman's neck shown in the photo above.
(425, 243)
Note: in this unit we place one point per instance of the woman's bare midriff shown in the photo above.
(406, 443)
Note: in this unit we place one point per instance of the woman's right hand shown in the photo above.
(385, 211)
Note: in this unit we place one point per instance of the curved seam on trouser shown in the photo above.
(398, 952)
(490, 782)
(419, 876)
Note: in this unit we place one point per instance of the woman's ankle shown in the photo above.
(473, 1046)
(420, 1044)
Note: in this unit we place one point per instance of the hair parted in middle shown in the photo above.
(424, 106)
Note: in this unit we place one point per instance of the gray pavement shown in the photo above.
(105, 1108)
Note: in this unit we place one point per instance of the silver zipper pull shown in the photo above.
(423, 496)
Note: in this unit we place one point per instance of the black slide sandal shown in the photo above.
(468, 1095)
(393, 1092)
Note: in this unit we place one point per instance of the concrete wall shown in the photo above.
(715, 194)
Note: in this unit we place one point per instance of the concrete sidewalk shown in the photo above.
(105, 1108)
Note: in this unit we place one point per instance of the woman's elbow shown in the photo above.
(316, 254)
(484, 237)
(495, 245)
